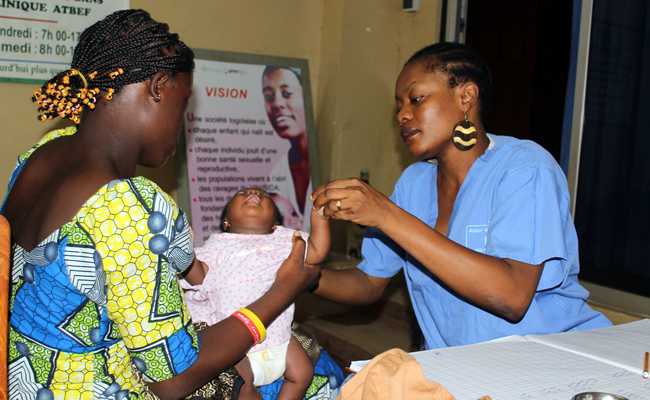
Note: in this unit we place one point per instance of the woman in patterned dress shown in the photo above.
(96, 311)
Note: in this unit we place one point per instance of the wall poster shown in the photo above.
(249, 123)
(37, 38)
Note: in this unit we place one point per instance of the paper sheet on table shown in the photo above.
(544, 367)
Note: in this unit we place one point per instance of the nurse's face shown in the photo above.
(427, 111)
(284, 103)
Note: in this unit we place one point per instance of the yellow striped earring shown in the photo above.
(465, 134)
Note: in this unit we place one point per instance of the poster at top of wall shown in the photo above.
(245, 127)
(37, 38)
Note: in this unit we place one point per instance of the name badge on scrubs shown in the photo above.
(476, 237)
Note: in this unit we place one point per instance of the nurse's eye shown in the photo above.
(416, 100)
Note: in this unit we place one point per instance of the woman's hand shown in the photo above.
(352, 200)
(294, 276)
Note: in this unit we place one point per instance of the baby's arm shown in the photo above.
(196, 272)
(320, 238)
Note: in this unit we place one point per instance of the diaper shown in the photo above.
(268, 365)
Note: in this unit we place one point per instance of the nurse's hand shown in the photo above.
(353, 200)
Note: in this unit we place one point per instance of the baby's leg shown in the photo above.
(248, 390)
(298, 374)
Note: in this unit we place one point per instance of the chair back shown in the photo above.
(5, 273)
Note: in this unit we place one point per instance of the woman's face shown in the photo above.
(284, 103)
(427, 111)
(164, 135)
(251, 208)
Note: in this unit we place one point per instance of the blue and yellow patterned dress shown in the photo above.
(100, 295)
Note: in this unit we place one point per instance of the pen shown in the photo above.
(645, 366)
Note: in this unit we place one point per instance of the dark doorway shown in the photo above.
(527, 46)
(612, 214)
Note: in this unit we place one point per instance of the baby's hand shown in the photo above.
(319, 211)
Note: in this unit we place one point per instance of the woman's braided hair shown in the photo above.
(126, 47)
(461, 64)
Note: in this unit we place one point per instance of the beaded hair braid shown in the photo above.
(126, 47)
(461, 64)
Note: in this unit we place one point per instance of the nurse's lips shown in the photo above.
(407, 133)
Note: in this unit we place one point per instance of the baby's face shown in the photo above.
(251, 208)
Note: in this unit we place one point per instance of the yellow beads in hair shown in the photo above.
(114, 74)
(66, 101)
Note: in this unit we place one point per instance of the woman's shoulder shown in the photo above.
(512, 157)
(48, 137)
(137, 207)
(138, 192)
(520, 151)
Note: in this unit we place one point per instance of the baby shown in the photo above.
(236, 267)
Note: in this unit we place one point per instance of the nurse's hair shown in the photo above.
(126, 47)
(461, 64)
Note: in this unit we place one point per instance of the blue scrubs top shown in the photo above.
(514, 203)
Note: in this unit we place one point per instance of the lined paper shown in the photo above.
(524, 369)
(622, 345)
(544, 367)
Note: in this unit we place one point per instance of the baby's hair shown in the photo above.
(461, 64)
(126, 47)
(278, 216)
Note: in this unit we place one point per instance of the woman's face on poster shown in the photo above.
(291, 218)
(284, 103)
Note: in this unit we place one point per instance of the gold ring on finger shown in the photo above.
(338, 204)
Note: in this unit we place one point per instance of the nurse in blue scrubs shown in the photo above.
(480, 226)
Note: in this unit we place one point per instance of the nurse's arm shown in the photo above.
(501, 286)
(350, 286)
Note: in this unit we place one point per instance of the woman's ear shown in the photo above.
(156, 85)
(469, 95)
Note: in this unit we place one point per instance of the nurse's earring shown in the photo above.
(465, 134)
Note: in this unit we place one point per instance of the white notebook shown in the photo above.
(544, 367)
